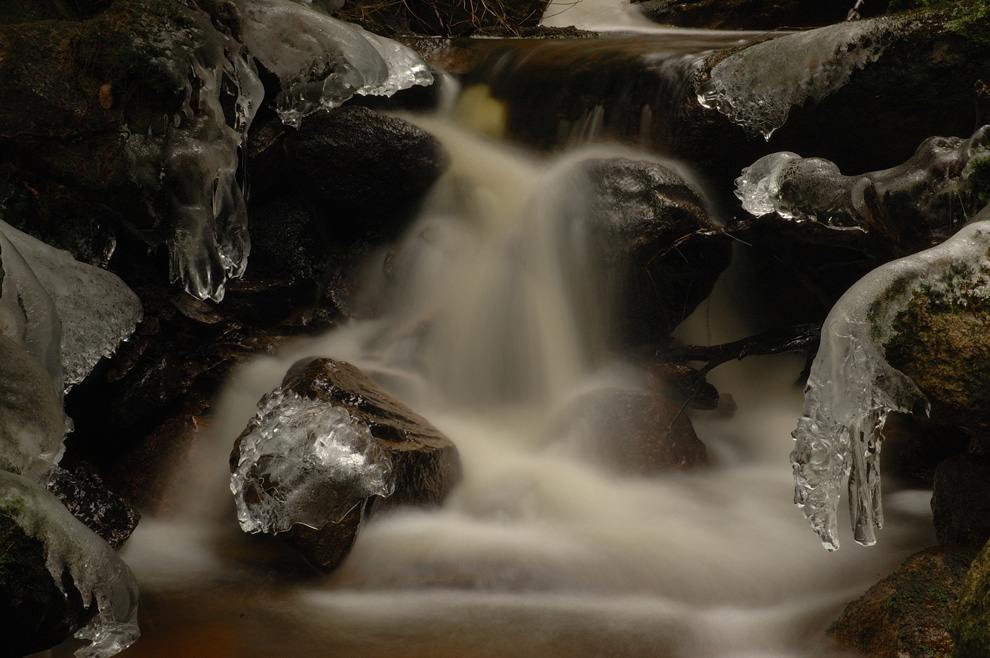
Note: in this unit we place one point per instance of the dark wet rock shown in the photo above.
(422, 463)
(87, 498)
(752, 14)
(908, 612)
(961, 500)
(365, 171)
(660, 246)
(683, 385)
(36, 614)
(635, 432)
(970, 625)
(888, 213)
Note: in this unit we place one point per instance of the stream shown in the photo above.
(540, 551)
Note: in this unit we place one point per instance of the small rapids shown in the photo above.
(495, 326)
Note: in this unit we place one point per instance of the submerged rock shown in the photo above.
(322, 450)
(908, 613)
(634, 432)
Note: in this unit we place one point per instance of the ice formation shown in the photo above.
(852, 388)
(307, 462)
(932, 188)
(321, 61)
(757, 86)
(58, 318)
(80, 313)
(96, 571)
(191, 171)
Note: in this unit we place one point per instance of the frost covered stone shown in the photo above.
(757, 86)
(97, 573)
(307, 462)
(852, 388)
(71, 314)
(321, 61)
(191, 171)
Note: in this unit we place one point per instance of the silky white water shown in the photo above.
(494, 327)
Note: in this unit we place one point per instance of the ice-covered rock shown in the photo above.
(303, 461)
(852, 388)
(71, 314)
(321, 61)
(757, 86)
(191, 171)
(96, 572)
(939, 186)
(327, 446)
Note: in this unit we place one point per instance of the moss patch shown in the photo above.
(939, 341)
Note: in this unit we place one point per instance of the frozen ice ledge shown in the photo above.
(852, 388)
(193, 172)
(757, 86)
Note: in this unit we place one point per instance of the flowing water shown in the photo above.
(539, 551)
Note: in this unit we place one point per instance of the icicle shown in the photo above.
(852, 388)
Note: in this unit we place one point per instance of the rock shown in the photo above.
(366, 171)
(961, 500)
(388, 448)
(36, 614)
(633, 432)
(971, 618)
(889, 213)
(87, 498)
(661, 250)
(908, 612)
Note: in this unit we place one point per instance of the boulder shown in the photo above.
(326, 448)
(908, 612)
(363, 171)
(662, 251)
(971, 617)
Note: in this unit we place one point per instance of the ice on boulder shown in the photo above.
(307, 462)
(71, 314)
(321, 61)
(191, 171)
(757, 86)
(97, 572)
(937, 187)
(852, 388)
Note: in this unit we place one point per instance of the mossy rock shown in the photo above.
(36, 614)
(970, 626)
(939, 341)
(907, 613)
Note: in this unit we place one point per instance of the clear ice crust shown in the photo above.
(321, 61)
(97, 572)
(757, 86)
(852, 388)
(307, 462)
(58, 318)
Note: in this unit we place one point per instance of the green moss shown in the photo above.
(970, 625)
(977, 175)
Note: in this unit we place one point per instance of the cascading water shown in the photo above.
(499, 325)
